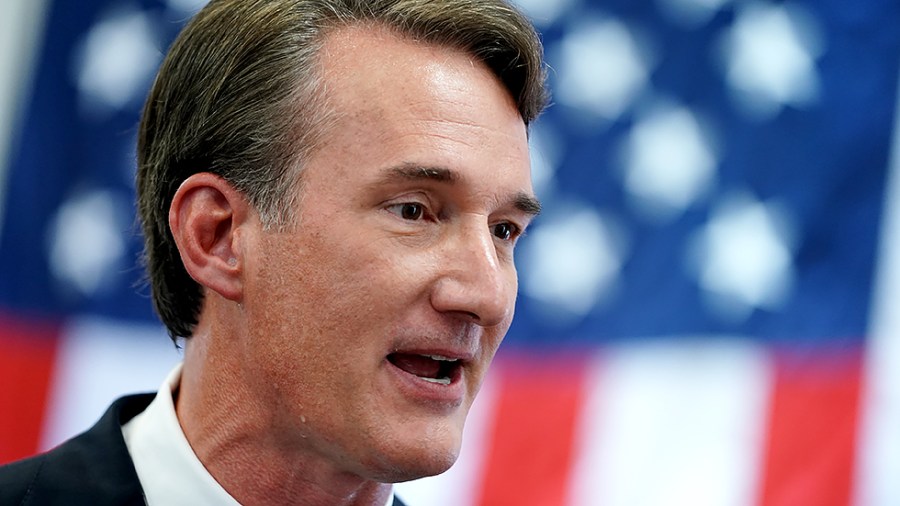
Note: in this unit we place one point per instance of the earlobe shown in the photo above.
(205, 218)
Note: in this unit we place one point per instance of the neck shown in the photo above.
(229, 426)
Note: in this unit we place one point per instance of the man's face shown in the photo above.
(375, 318)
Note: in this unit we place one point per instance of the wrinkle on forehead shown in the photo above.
(448, 129)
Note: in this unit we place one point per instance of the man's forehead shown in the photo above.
(347, 57)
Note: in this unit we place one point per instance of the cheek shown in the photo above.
(333, 290)
(306, 313)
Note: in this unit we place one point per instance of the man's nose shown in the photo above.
(475, 282)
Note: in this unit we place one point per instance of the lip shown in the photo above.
(433, 395)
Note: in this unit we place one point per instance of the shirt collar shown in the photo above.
(169, 471)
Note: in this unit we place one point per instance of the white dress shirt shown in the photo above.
(169, 471)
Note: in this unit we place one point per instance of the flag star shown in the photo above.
(546, 150)
(86, 241)
(570, 262)
(669, 162)
(117, 60)
(600, 68)
(544, 12)
(186, 6)
(743, 258)
(770, 56)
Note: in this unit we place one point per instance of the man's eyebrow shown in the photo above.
(420, 172)
(528, 204)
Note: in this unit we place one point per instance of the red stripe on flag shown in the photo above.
(530, 458)
(26, 364)
(812, 430)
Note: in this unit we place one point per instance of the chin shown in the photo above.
(416, 468)
(417, 457)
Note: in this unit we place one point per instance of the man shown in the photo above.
(330, 192)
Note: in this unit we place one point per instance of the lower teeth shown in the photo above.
(442, 381)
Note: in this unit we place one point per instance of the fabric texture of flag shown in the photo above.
(708, 306)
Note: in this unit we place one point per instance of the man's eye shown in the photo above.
(505, 231)
(408, 210)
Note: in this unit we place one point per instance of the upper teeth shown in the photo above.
(441, 358)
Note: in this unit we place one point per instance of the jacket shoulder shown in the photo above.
(16, 479)
(93, 468)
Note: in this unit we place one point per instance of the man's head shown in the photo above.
(339, 195)
(240, 95)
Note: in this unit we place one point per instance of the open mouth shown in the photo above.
(430, 368)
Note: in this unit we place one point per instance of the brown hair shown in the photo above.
(239, 95)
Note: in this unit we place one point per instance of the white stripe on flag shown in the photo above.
(97, 361)
(877, 482)
(460, 486)
(675, 423)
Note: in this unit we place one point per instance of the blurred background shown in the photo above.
(709, 309)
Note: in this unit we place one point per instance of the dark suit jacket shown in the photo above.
(92, 469)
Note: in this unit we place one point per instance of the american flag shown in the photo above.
(709, 309)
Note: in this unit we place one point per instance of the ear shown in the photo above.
(205, 218)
